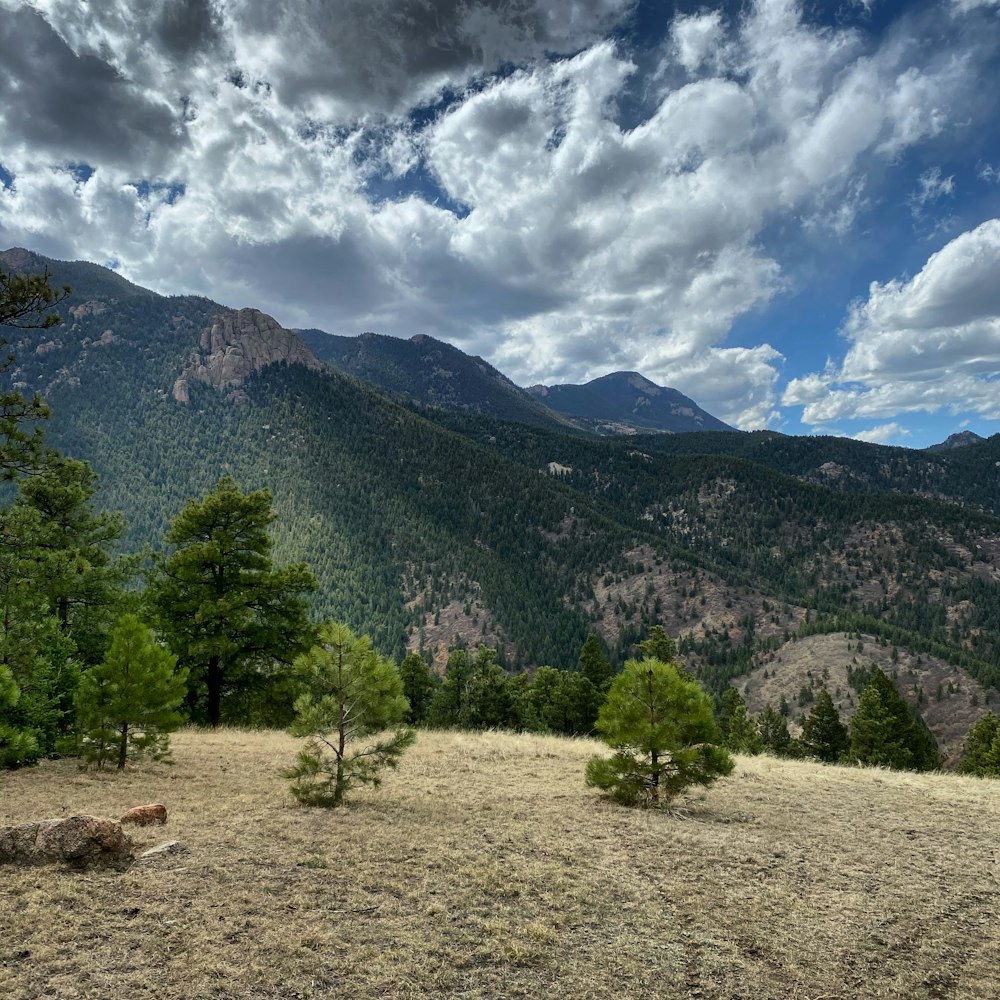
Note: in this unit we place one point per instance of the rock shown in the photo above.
(146, 815)
(79, 841)
(238, 344)
(163, 850)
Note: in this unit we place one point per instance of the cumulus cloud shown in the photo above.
(882, 434)
(926, 344)
(472, 169)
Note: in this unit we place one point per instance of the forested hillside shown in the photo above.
(424, 523)
(430, 371)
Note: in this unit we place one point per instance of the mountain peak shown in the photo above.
(628, 403)
(959, 440)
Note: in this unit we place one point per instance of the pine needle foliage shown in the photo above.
(353, 696)
(128, 705)
(981, 753)
(824, 736)
(662, 728)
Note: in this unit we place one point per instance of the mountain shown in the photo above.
(627, 403)
(431, 372)
(960, 440)
(423, 524)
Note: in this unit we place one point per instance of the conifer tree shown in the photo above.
(824, 736)
(774, 735)
(885, 732)
(565, 701)
(490, 700)
(451, 698)
(594, 663)
(739, 731)
(659, 646)
(70, 552)
(981, 753)
(26, 301)
(18, 746)
(128, 704)
(352, 696)
(663, 731)
(418, 686)
(222, 606)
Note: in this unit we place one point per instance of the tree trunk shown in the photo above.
(214, 691)
(655, 777)
(123, 747)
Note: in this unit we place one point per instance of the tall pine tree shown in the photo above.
(887, 733)
(225, 610)
(824, 736)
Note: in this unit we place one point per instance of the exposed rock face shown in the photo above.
(237, 345)
(79, 841)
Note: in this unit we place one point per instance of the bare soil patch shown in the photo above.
(484, 868)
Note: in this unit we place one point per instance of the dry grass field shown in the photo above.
(484, 868)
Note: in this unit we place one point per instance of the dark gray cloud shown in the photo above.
(74, 105)
(187, 27)
(374, 54)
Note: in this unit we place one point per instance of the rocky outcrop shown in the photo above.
(79, 841)
(238, 344)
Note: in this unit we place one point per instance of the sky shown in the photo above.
(788, 211)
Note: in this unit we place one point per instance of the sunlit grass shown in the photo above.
(485, 868)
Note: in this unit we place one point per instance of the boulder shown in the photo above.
(146, 815)
(78, 841)
(164, 850)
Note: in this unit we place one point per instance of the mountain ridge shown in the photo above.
(628, 402)
(424, 523)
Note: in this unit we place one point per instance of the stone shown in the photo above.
(237, 344)
(77, 841)
(166, 849)
(155, 812)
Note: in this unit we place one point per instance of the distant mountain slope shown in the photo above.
(627, 402)
(424, 526)
(960, 440)
(433, 373)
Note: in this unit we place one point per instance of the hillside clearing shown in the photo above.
(484, 868)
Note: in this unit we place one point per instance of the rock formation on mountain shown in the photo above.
(237, 344)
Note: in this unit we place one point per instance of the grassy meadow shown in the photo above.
(484, 868)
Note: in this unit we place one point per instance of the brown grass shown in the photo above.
(484, 868)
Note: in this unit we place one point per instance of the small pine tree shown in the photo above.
(739, 732)
(981, 754)
(352, 695)
(824, 736)
(127, 705)
(662, 729)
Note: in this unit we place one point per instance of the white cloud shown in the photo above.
(519, 218)
(931, 187)
(926, 344)
(882, 434)
(696, 39)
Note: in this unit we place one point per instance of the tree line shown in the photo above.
(103, 655)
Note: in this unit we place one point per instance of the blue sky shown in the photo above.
(788, 211)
